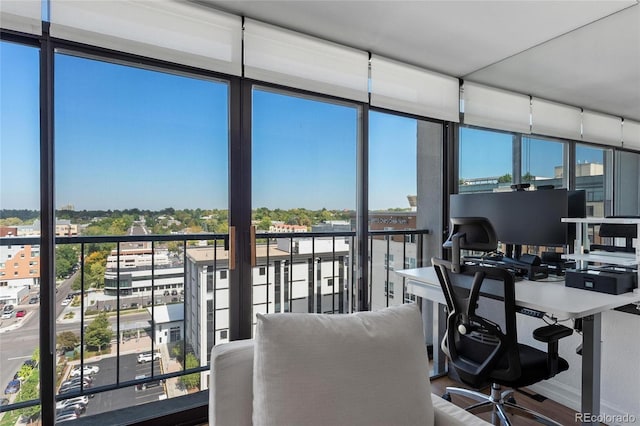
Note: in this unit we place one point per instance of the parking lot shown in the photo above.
(126, 397)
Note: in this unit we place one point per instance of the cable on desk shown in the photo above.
(554, 320)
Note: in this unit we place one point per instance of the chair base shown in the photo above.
(499, 404)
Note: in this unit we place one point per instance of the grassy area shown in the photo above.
(9, 418)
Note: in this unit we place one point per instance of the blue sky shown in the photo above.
(127, 137)
(19, 127)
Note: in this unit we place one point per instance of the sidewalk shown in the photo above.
(171, 365)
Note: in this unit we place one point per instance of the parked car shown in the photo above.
(4, 401)
(88, 369)
(65, 302)
(148, 357)
(174, 292)
(21, 313)
(76, 409)
(73, 401)
(69, 389)
(87, 380)
(7, 311)
(147, 385)
(66, 418)
(12, 387)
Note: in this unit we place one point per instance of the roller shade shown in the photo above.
(553, 119)
(175, 31)
(493, 108)
(21, 15)
(280, 56)
(631, 135)
(601, 128)
(413, 90)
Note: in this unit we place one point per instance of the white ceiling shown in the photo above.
(581, 53)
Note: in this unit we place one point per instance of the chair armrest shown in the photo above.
(551, 333)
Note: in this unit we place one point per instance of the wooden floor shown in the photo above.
(551, 409)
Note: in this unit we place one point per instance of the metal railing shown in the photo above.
(301, 272)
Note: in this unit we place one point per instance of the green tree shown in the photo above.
(528, 177)
(66, 257)
(10, 221)
(28, 392)
(67, 340)
(95, 276)
(325, 215)
(98, 333)
(76, 285)
(264, 224)
(222, 228)
(505, 178)
(25, 371)
(174, 246)
(176, 350)
(191, 381)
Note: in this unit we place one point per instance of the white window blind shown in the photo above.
(280, 56)
(493, 108)
(170, 30)
(413, 90)
(554, 119)
(631, 134)
(601, 128)
(21, 15)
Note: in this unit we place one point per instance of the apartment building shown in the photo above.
(139, 270)
(291, 275)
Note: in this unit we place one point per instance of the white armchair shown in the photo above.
(271, 389)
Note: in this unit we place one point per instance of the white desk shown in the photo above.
(550, 297)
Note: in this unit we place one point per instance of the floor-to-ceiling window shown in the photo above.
(304, 177)
(399, 147)
(138, 152)
(19, 220)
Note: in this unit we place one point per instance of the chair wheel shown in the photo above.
(511, 400)
(446, 396)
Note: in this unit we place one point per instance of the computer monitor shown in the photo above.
(524, 217)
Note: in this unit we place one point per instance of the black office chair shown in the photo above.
(481, 340)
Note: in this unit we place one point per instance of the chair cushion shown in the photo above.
(533, 365)
(534, 368)
(368, 368)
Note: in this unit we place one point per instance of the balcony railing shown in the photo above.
(294, 272)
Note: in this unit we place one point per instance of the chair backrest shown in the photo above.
(481, 339)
